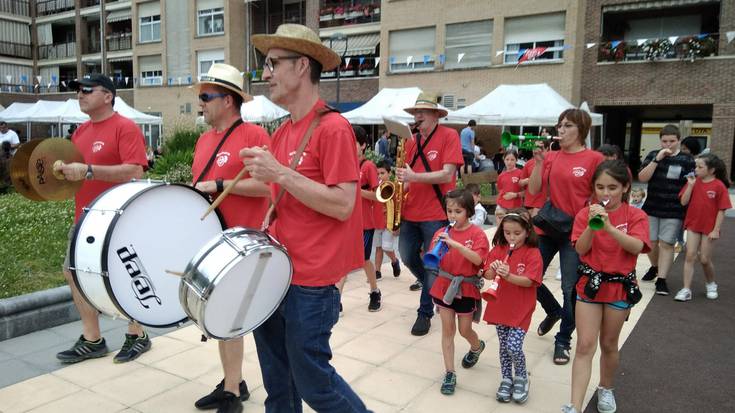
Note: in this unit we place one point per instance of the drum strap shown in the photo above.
(216, 151)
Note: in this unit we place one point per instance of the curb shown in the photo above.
(36, 311)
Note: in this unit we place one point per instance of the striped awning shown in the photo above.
(357, 45)
(653, 5)
(119, 59)
(119, 15)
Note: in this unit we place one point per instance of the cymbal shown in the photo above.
(38, 171)
(19, 170)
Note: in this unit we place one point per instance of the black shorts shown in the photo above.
(367, 240)
(464, 305)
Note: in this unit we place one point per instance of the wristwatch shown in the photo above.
(90, 173)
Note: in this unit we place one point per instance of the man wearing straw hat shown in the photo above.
(318, 219)
(432, 158)
(216, 163)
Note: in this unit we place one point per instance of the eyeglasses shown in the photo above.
(208, 97)
(86, 90)
(271, 62)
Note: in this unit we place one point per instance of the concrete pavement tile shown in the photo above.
(431, 400)
(90, 372)
(352, 303)
(391, 387)
(358, 321)
(544, 368)
(15, 371)
(69, 330)
(191, 363)
(109, 323)
(483, 378)
(415, 361)
(378, 406)
(5, 356)
(35, 392)
(191, 334)
(251, 407)
(46, 359)
(547, 396)
(178, 399)
(83, 401)
(408, 300)
(514, 408)
(371, 349)
(31, 343)
(341, 336)
(349, 368)
(163, 347)
(138, 385)
(398, 329)
(250, 373)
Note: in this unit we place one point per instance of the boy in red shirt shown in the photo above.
(386, 238)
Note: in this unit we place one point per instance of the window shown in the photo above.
(473, 41)
(206, 58)
(412, 50)
(151, 71)
(153, 132)
(210, 17)
(528, 32)
(150, 22)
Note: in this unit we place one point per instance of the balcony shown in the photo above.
(688, 48)
(90, 3)
(335, 14)
(57, 51)
(16, 7)
(15, 50)
(47, 7)
(119, 41)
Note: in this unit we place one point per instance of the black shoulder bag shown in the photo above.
(425, 162)
(553, 221)
(216, 150)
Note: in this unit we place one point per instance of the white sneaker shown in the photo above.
(712, 290)
(606, 400)
(684, 294)
(568, 408)
(558, 274)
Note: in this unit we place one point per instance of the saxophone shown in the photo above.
(391, 193)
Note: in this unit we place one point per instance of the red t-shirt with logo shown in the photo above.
(708, 198)
(514, 305)
(606, 254)
(533, 200)
(322, 249)
(455, 263)
(244, 211)
(368, 181)
(422, 203)
(116, 140)
(510, 181)
(570, 178)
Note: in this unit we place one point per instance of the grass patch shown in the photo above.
(33, 237)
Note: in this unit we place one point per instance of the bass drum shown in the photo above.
(127, 240)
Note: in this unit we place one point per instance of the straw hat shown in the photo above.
(299, 39)
(426, 101)
(225, 76)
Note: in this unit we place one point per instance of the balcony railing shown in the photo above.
(119, 41)
(46, 7)
(339, 14)
(15, 50)
(17, 7)
(151, 81)
(57, 51)
(675, 47)
(90, 3)
(93, 48)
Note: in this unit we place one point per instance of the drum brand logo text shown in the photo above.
(140, 281)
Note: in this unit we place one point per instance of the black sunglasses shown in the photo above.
(208, 97)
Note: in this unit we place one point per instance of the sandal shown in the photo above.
(504, 391)
(547, 324)
(561, 355)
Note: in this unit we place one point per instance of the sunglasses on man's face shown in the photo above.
(87, 90)
(208, 97)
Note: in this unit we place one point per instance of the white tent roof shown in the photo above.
(2, 108)
(31, 112)
(133, 114)
(45, 111)
(261, 110)
(389, 103)
(517, 105)
(12, 111)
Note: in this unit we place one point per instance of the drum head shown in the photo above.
(158, 230)
(242, 300)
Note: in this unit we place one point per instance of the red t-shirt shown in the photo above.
(514, 305)
(322, 249)
(708, 198)
(368, 181)
(510, 181)
(570, 177)
(606, 255)
(244, 211)
(422, 203)
(116, 140)
(454, 263)
(533, 200)
(379, 217)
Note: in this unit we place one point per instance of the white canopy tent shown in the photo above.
(12, 111)
(28, 112)
(261, 110)
(518, 105)
(2, 108)
(388, 102)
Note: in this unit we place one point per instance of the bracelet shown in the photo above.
(220, 184)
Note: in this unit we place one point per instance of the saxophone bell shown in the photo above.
(385, 191)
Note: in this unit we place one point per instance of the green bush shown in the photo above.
(178, 155)
(485, 189)
(182, 139)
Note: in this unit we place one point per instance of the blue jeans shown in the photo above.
(415, 236)
(568, 261)
(293, 348)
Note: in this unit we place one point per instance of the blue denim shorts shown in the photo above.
(621, 305)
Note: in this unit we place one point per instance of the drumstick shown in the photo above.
(224, 193)
(176, 273)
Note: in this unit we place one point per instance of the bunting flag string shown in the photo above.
(730, 36)
(426, 59)
(499, 52)
(459, 57)
(377, 61)
(442, 59)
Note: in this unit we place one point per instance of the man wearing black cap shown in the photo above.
(113, 149)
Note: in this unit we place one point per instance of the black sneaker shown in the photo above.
(547, 324)
(650, 274)
(374, 301)
(133, 347)
(378, 275)
(472, 356)
(421, 326)
(230, 403)
(415, 286)
(661, 287)
(217, 396)
(396, 265)
(83, 350)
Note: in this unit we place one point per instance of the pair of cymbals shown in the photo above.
(31, 169)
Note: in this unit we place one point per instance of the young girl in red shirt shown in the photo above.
(456, 289)
(707, 197)
(607, 287)
(510, 192)
(516, 260)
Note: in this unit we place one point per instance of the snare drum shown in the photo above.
(235, 282)
(126, 240)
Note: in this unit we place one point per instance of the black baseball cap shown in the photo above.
(94, 79)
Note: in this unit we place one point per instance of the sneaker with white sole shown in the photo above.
(712, 290)
(568, 408)
(684, 294)
(505, 390)
(606, 400)
(520, 389)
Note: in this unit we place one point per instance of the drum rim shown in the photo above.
(105, 249)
